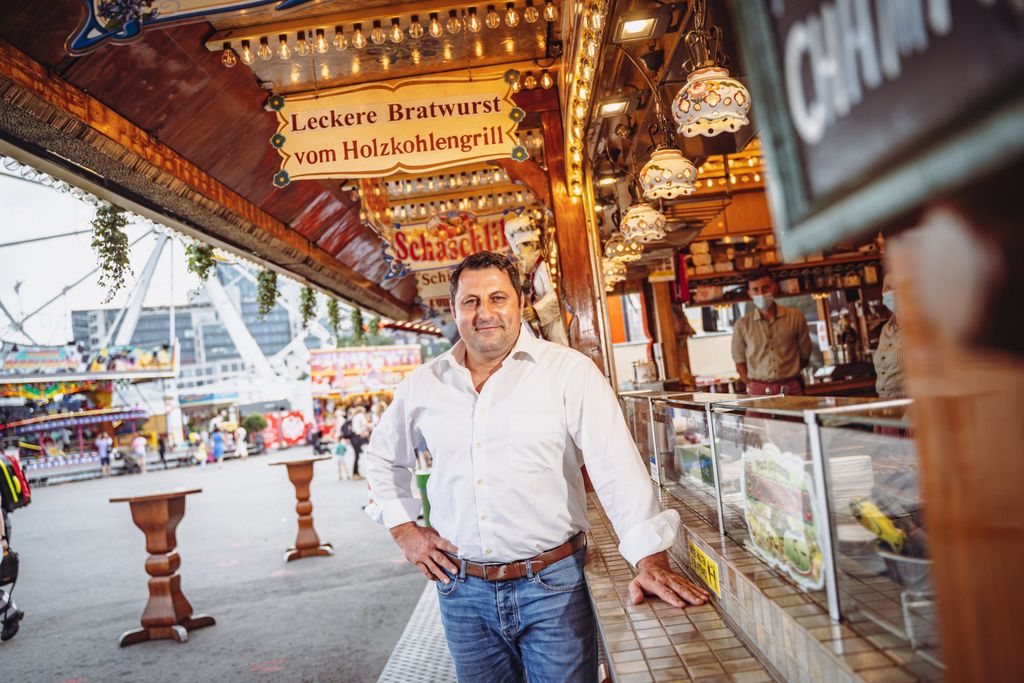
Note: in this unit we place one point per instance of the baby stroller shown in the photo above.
(131, 465)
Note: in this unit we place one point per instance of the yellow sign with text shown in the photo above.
(706, 568)
(411, 126)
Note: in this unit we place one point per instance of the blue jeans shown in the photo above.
(538, 628)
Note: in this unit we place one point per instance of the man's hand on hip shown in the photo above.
(422, 546)
(657, 578)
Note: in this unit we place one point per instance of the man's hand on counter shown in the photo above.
(657, 578)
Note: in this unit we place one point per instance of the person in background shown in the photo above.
(217, 439)
(103, 444)
(161, 448)
(139, 450)
(10, 615)
(770, 343)
(360, 435)
(241, 447)
(342, 453)
(888, 357)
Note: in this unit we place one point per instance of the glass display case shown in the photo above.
(638, 410)
(684, 442)
(882, 566)
(823, 489)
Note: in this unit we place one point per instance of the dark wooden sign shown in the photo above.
(868, 109)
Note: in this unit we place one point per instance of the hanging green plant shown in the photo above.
(200, 259)
(357, 325)
(307, 305)
(111, 244)
(266, 291)
(374, 326)
(334, 317)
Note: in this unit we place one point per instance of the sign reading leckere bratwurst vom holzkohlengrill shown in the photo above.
(378, 129)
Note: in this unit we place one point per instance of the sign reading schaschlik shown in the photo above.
(374, 130)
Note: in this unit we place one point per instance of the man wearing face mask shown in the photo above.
(770, 343)
(888, 358)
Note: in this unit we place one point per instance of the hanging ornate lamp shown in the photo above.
(642, 223)
(668, 174)
(620, 249)
(711, 101)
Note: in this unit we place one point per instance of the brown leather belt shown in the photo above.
(517, 570)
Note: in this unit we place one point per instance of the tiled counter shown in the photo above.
(654, 641)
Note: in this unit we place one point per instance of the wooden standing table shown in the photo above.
(168, 614)
(307, 543)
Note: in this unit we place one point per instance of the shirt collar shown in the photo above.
(527, 347)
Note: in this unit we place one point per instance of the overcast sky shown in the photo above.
(29, 210)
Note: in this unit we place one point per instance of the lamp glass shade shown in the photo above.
(668, 175)
(642, 223)
(711, 102)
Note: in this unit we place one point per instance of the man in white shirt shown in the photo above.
(505, 417)
(139, 450)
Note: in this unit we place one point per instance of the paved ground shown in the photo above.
(317, 619)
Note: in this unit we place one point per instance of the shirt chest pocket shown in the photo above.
(535, 442)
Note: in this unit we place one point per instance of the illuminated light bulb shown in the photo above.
(358, 37)
(583, 90)
(492, 19)
(511, 15)
(435, 28)
(496, 177)
(595, 16)
(263, 51)
(473, 22)
(530, 82)
(228, 57)
(757, 177)
(546, 81)
(377, 35)
(587, 69)
(515, 86)
(578, 108)
(301, 46)
(590, 46)
(577, 131)
(355, 65)
(474, 179)
(550, 11)
(340, 41)
(283, 51)
(247, 56)
(577, 188)
(397, 34)
(531, 14)
(447, 53)
(750, 161)
(321, 42)
(732, 179)
(577, 156)
(430, 184)
(296, 74)
(478, 49)
(454, 23)
(325, 71)
(415, 28)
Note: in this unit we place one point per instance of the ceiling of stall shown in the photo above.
(162, 122)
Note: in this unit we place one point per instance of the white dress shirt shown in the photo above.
(506, 481)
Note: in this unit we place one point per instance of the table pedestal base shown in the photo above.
(322, 550)
(178, 632)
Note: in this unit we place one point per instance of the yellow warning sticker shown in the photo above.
(706, 568)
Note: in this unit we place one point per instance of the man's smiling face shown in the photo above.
(488, 312)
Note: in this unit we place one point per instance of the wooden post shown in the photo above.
(967, 409)
(574, 238)
(665, 328)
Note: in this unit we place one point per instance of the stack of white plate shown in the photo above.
(850, 476)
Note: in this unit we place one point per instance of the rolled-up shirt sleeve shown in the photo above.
(615, 466)
(388, 460)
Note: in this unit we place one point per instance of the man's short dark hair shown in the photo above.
(482, 261)
(758, 274)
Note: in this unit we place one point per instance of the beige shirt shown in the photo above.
(888, 361)
(773, 350)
